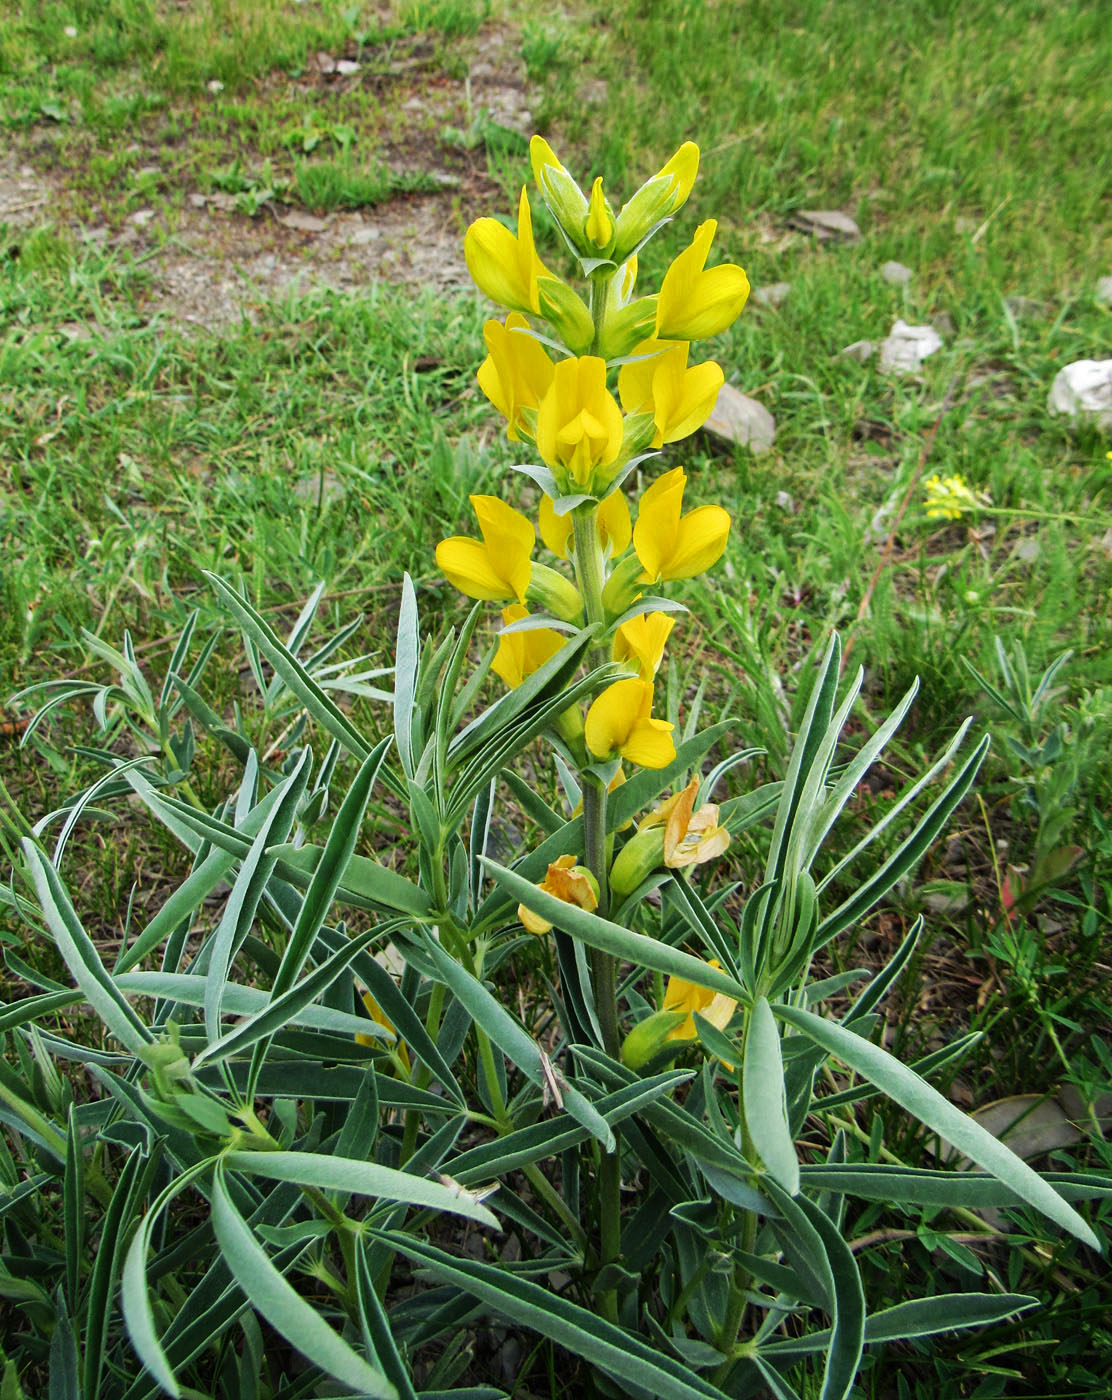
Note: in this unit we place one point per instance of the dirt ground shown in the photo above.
(209, 263)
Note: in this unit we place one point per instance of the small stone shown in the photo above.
(785, 502)
(346, 67)
(301, 222)
(860, 350)
(743, 420)
(70, 32)
(362, 236)
(326, 63)
(896, 273)
(141, 218)
(907, 347)
(198, 200)
(827, 224)
(1104, 291)
(772, 295)
(215, 86)
(1083, 391)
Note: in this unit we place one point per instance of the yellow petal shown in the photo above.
(614, 525)
(650, 744)
(600, 222)
(519, 654)
(635, 379)
(643, 638)
(689, 403)
(658, 519)
(700, 542)
(612, 716)
(466, 564)
(556, 530)
(504, 267)
(509, 538)
(695, 302)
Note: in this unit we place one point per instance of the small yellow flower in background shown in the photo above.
(643, 639)
(715, 1007)
(620, 721)
(671, 545)
(517, 372)
(380, 1018)
(567, 880)
(615, 529)
(950, 497)
(503, 266)
(579, 424)
(658, 198)
(697, 301)
(690, 837)
(519, 654)
(681, 399)
(497, 568)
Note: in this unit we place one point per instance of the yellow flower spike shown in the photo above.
(696, 301)
(497, 568)
(380, 1018)
(620, 722)
(599, 227)
(950, 497)
(517, 372)
(671, 545)
(680, 398)
(643, 639)
(715, 1007)
(567, 880)
(657, 199)
(519, 654)
(615, 529)
(579, 424)
(690, 837)
(503, 266)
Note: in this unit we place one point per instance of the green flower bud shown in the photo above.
(649, 1039)
(567, 313)
(551, 591)
(622, 588)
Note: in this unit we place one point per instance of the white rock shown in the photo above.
(896, 273)
(141, 218)
(214, 86)
(1083, 390)
(907, 347)
(742, 420)
(301, 222)
(1104, 290)
(827, 223)
(346, 67)
(772, 295)
(859, 350)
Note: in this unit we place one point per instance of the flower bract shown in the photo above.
(671, 545)
(496, 568)
(620, 722)
(697, 301)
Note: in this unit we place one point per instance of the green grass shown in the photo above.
(338, 436)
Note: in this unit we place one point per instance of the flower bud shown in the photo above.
(566, 201)
(622, 588)
(657, 199)
(599, 228)
(625, 329)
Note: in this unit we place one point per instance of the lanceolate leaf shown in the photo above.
(583, 1333)
(928, 1105)
(925, 1187)
(297, 1321)
(766, 1112)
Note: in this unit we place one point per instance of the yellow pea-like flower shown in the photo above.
(680, 398)
(615, 529)
(519, 654)
(497, 567)
(567, 880)
(516, 373)
(715, 1007)
(503, 266)
(620, 722)
(579, 423)
(658, 198)
(643, 639)
(697, 301)
(671, 545)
